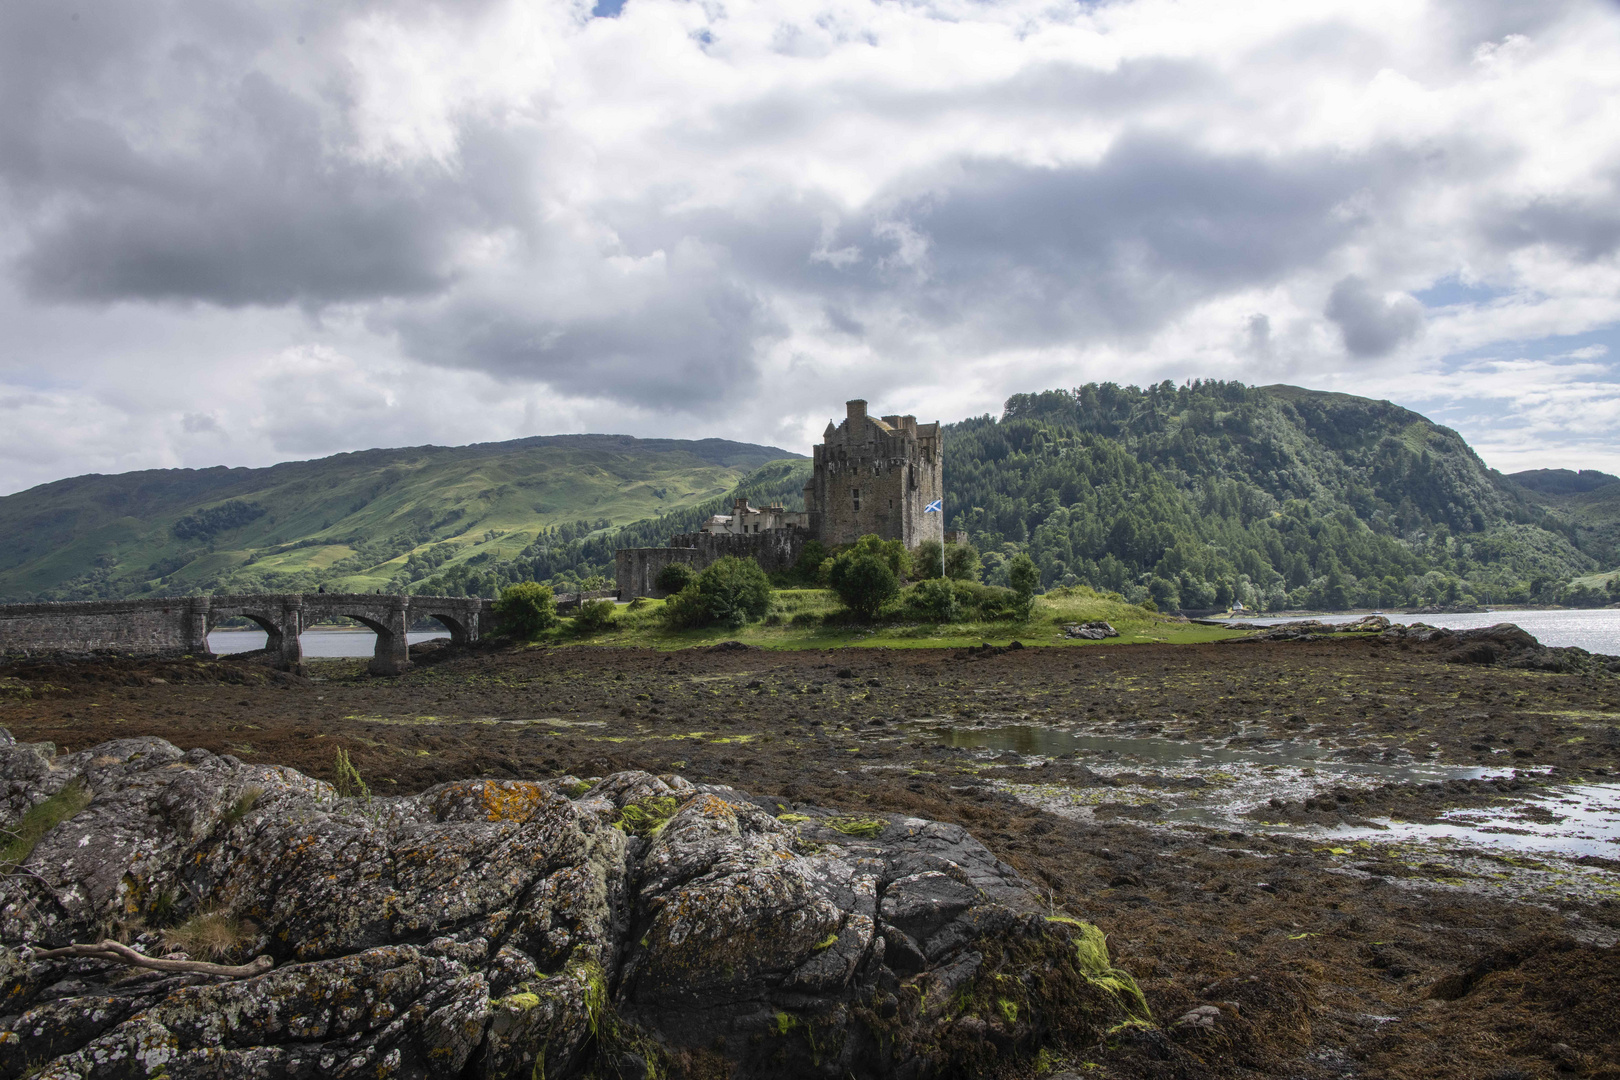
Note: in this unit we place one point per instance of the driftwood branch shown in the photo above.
(123, 954)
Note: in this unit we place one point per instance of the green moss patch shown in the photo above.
(41, 819)
(647, 817)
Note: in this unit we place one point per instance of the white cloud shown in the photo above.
(292, 228)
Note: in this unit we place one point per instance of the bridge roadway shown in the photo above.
(180, 624)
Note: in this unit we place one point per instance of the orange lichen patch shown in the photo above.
(710, 806)
(498, 800)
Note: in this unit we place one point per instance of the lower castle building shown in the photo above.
(870, 475)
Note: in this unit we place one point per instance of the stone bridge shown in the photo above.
(178, 625)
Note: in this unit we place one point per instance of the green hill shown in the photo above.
(372, 520)
(1211, 491)
(1587, 505)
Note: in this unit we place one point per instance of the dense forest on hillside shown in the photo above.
(1211, 492)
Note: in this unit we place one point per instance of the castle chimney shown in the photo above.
(857, 412)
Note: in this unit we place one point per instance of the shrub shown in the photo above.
(729, 591)
(675, 577)
(806, 570)
(526, 610)
(986, 602)
(594, 617)
(864, 581)
(933, 601)
(687, 610)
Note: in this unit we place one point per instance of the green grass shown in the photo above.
(41, 819)
(645, 627)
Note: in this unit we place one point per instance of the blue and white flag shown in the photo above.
(934, 507)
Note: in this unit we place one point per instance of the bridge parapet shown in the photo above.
(180, 624)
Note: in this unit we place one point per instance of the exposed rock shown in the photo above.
(517, 928)
(1503, 643)
(1090, 631)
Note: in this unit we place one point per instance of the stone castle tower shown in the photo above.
(877, 476)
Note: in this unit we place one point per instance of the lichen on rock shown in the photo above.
(640, 926)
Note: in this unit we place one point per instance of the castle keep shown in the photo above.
(870, 475)
(877, 476)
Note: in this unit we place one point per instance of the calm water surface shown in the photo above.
(316, 643)
(1595, 631)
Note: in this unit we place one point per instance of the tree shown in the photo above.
(675, 577)
(1023, 575)
(892, 552)
(594, 617)
(526, 610)
(961, 561)
(735, 590)
(729, 591)
(864, 581)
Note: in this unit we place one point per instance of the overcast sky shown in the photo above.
(245, 231)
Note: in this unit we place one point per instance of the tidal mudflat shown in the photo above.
(1366, 861)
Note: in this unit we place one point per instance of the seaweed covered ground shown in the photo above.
(1267, 942)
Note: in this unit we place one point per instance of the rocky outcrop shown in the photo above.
(1504, 644)
(630, 926)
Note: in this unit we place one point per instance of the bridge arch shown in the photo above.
(280, 616)
(386, 615)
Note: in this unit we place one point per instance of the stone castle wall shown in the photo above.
(636, 570)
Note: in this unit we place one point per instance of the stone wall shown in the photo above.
(173, 625)
(636, 570)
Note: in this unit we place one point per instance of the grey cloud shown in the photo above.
(1588, 230)
(690, 344)
(252, 198)
(1038, 255)
(1030, 255)
(1372, 326)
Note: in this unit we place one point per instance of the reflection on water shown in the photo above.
(1219, 786)
(1593, 630)
(1582, 819)
(316, 643)
(1049, 742)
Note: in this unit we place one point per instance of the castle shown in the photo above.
(870, 475)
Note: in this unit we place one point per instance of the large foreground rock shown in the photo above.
(634, 926)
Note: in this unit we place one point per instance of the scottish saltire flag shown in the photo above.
(934, 507)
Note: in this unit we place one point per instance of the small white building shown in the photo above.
(745, 520)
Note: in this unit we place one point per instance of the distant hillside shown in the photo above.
(1563, 481)
(1213, 491)
(1586, 503)
(377, 519)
